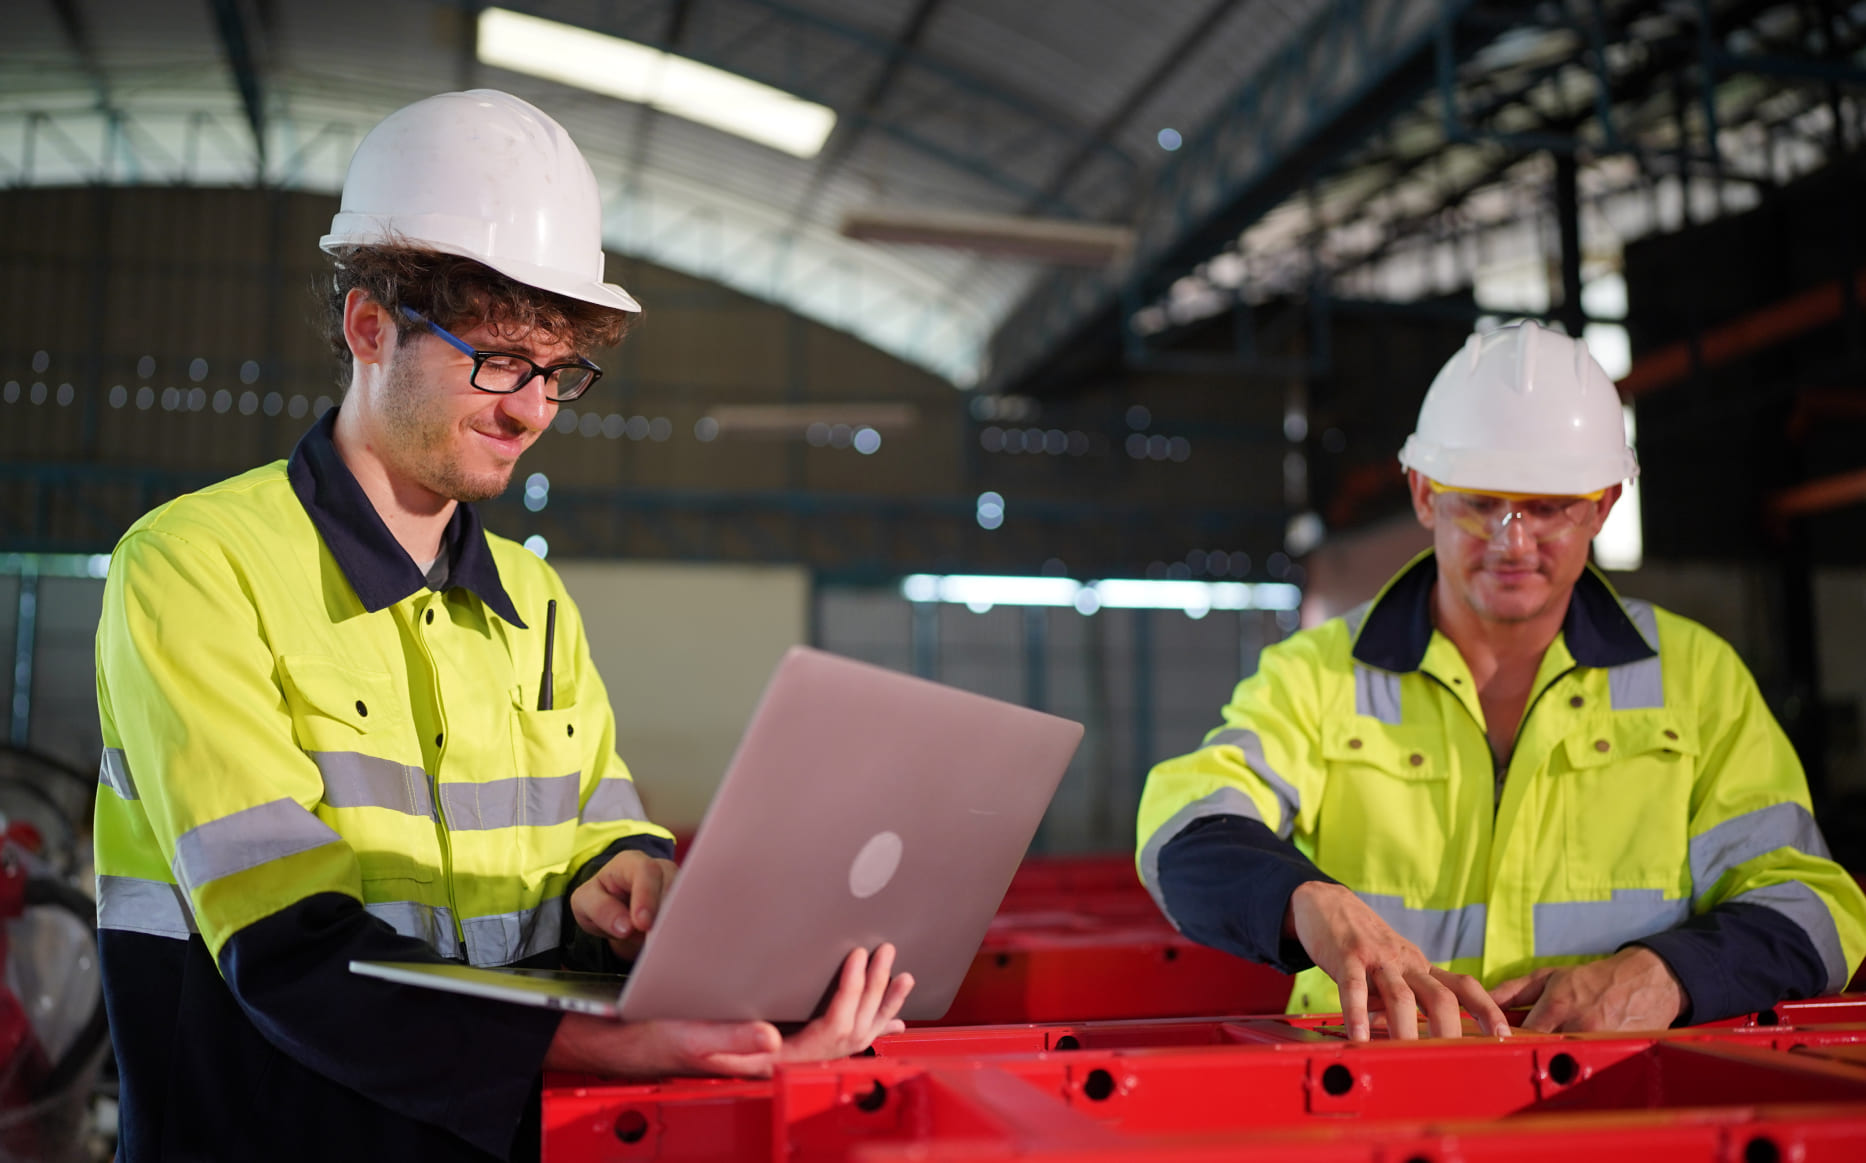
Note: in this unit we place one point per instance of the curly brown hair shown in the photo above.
(459, 294)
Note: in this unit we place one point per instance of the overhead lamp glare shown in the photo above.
(1194, 598)
(648, 76)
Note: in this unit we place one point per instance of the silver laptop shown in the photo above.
(861, 806)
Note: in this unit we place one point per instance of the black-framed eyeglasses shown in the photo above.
(505, 372)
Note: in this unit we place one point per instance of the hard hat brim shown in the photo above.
(1513, 471)
(542, 278)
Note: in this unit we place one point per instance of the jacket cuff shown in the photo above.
(1227, 881)
(1737, 958)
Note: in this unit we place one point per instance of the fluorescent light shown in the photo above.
(1622, 540)
(980, 592)
(648, 76)
(1064, 242)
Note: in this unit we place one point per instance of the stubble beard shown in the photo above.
(424, 442)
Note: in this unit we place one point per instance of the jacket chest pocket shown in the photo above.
(335, 707)
(549, 754)
(1625, 786)
(1385, 811)
(354, 727)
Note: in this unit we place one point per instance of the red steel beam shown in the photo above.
(1744, 335)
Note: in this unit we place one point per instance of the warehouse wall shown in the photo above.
(685, 651)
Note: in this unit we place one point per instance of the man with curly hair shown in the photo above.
(342, 721)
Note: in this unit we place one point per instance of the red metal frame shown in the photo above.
(1260, 1087)
(1025, 1067)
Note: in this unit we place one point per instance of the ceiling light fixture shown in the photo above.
(648, 76)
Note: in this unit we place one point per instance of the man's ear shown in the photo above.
(1605, 505)
(368, 328)
(1421, 490)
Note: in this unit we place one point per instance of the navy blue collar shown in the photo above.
(1398, 626)
(375, 564)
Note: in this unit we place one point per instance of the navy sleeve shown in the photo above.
(587, 952)
(1227, 881)
(468, 1065)
(1738, 958)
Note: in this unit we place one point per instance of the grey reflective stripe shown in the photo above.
(511, 937)
(1803, 905)
(247, 839)
(1579, 928)
(353, 780)
(428, 923)
(1441, 934)
(1377, 694)
(1638, 685)
(1752, 834)
(614, 799)
(1252, 746)
(533, 801)
(135, 905)
(114, 773)
(1226, 801)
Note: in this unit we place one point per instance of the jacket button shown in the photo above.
(1601, 745)
(430, 617)
(1355, 744)
(1670, 734)
(361, 709)
(1577, 701)
(1417, 760)
(570, 728)
(437, 740)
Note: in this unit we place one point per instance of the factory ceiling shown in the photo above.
(1227, 151)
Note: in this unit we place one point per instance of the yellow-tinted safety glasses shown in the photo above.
(1484, 515)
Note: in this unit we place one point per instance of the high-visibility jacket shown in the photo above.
(1650, 797)
(291, 716)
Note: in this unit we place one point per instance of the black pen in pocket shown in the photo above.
(550, 635)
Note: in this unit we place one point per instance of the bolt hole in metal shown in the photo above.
(1337, 1080)
(1002, 960)
(1067, 1042)
(1768, 1018)
(1099, 1085)
(1171, 953)
(872, 1099)
(631, 1126)
(1563, 1069)
(1761, 1149)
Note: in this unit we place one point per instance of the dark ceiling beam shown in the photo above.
(71, 22)
(1334, 84)
(1666, 58)
(1004, 101)
(849, 129)
(1168, 64)
(236, 39)
(646, 116)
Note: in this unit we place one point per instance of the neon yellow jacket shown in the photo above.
(269, 738)
(1649, 785)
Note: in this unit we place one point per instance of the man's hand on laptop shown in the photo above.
(863, 1008)
(621, 901)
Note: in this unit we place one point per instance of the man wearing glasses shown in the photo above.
(344, 722)
(1499, 784)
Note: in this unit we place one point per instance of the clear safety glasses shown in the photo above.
(504, 372)
(1484, 515)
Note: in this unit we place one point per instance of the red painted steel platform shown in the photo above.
(1030, 1066)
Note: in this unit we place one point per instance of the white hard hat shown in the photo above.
(1522, 409)
(486, 176)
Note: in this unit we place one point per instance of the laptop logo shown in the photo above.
(875, 865)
